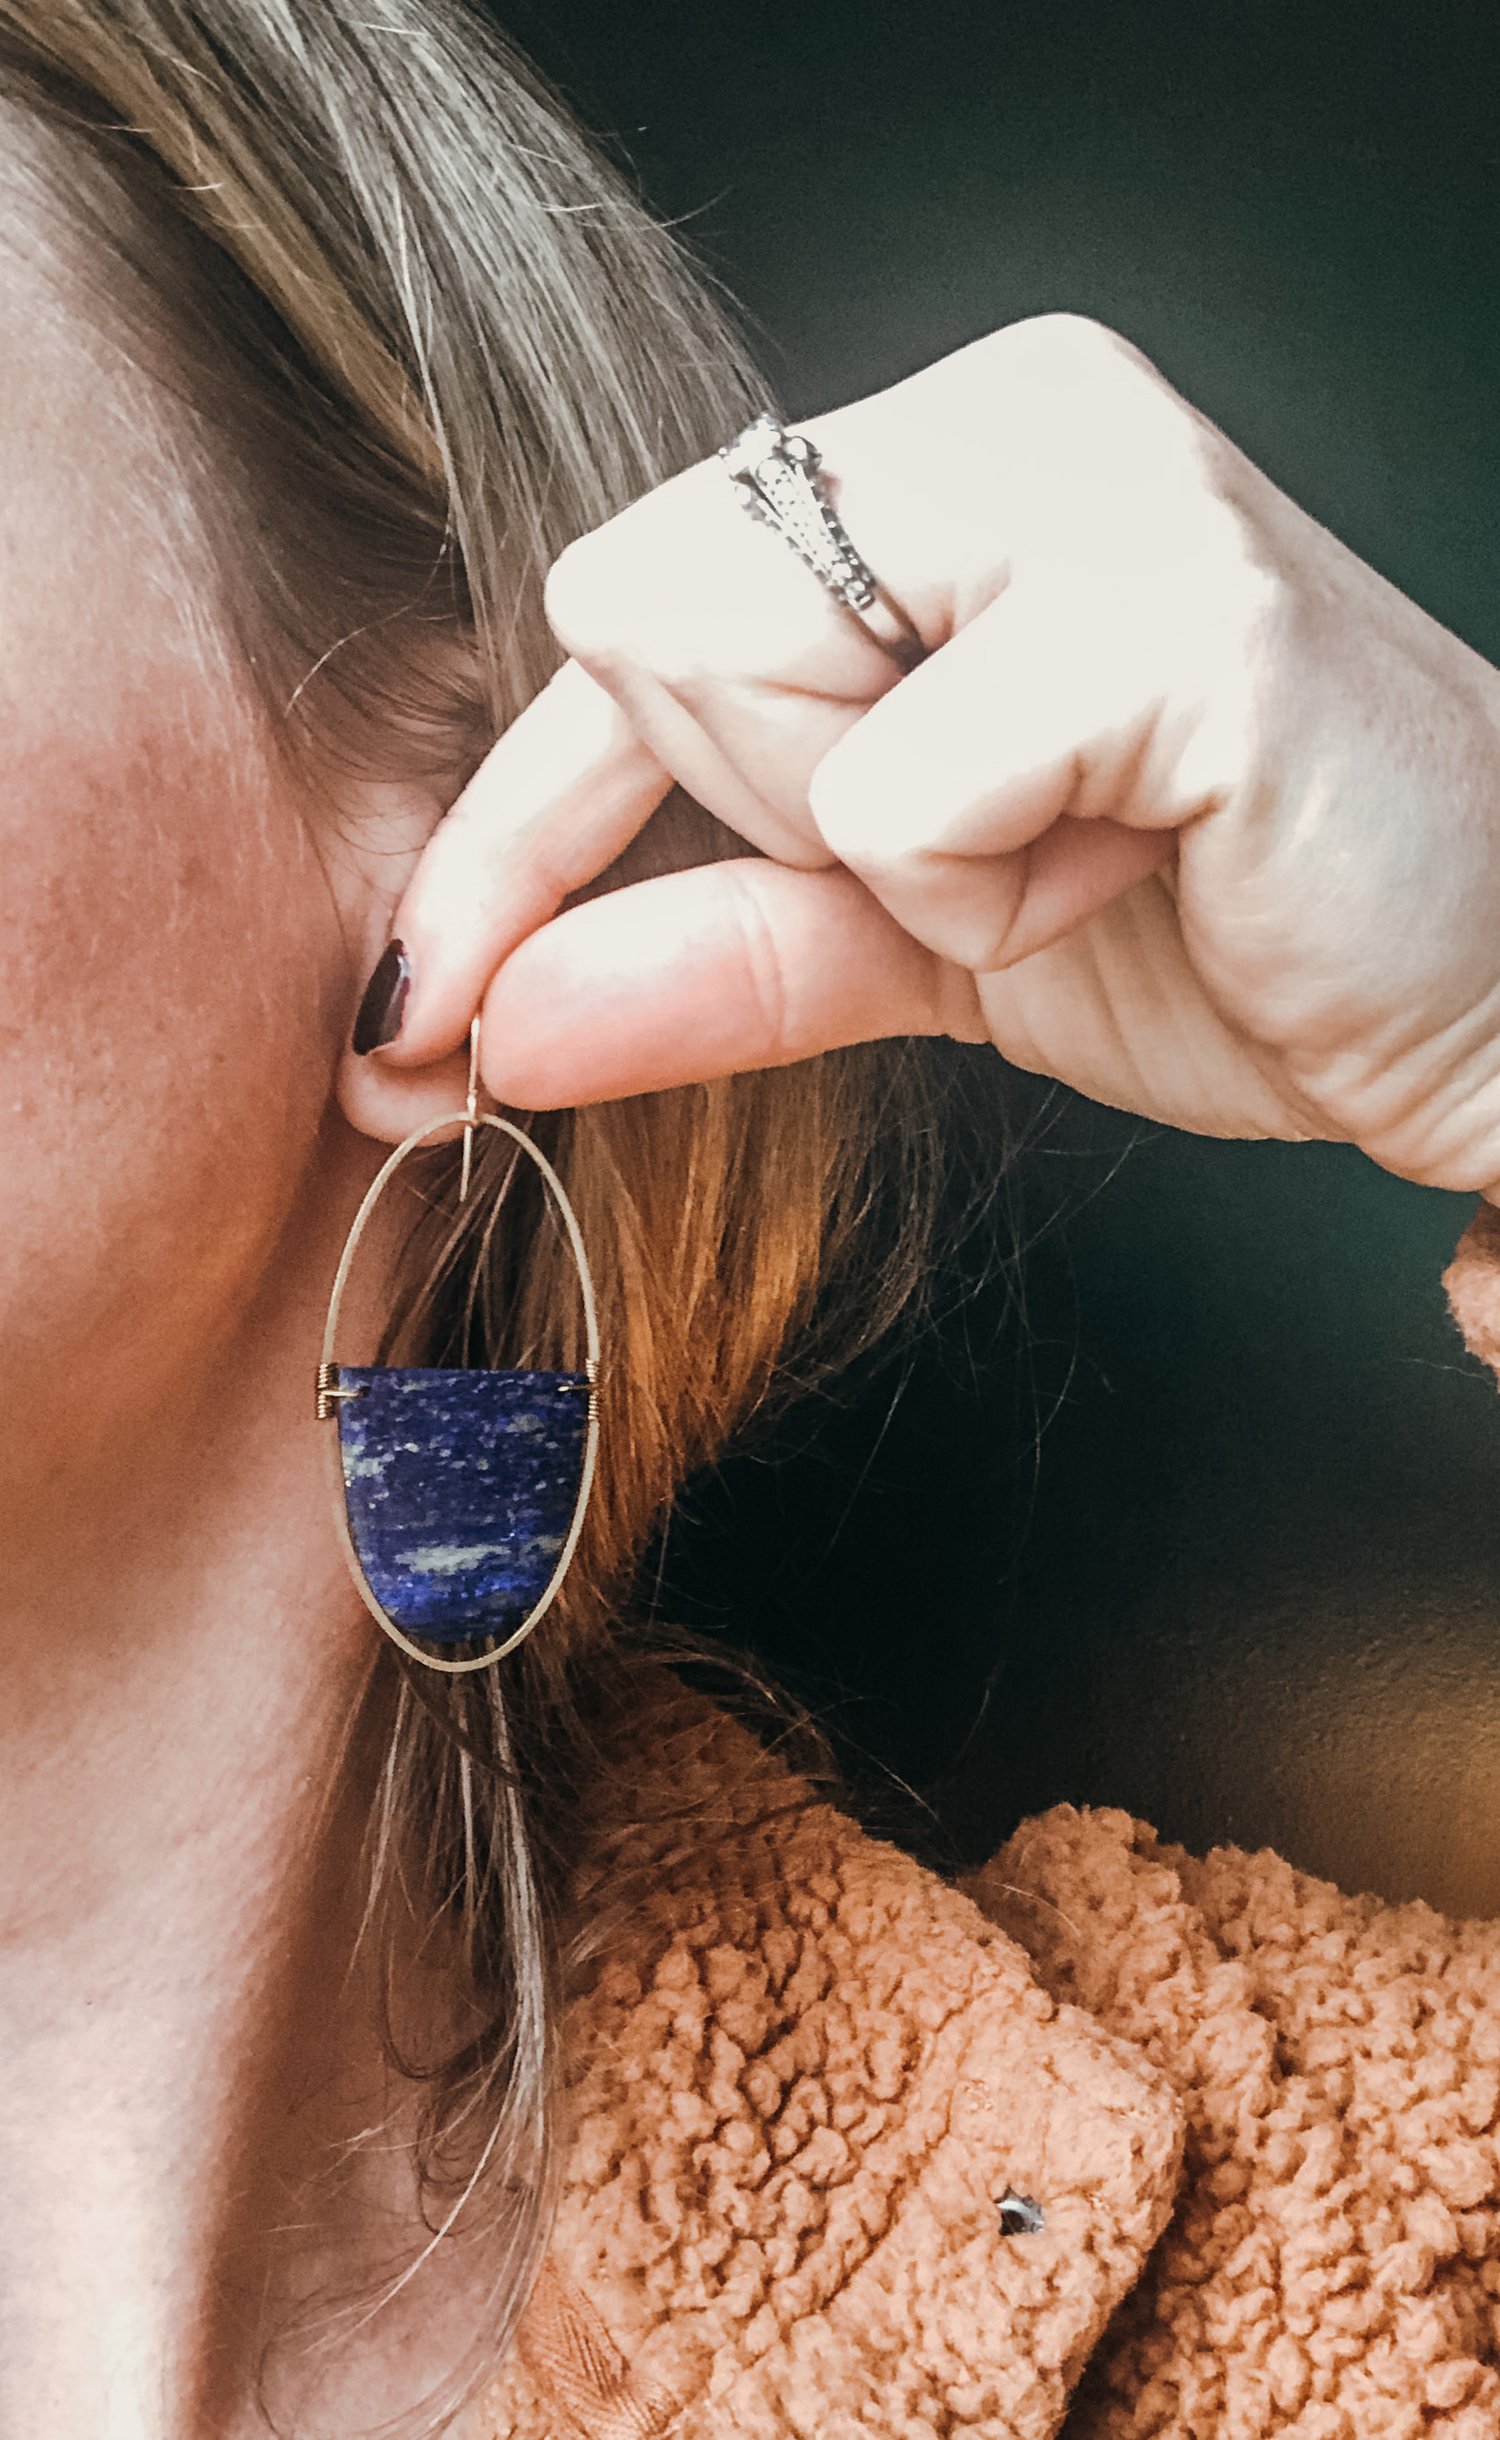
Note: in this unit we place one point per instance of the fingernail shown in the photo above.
(381, 1009)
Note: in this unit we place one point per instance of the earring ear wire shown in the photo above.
(544, 1425)
(471, 1108)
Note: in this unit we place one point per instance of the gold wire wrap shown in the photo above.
(330, 1393)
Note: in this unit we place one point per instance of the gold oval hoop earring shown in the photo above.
(460, 1492)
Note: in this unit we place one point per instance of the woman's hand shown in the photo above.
(1185, 806)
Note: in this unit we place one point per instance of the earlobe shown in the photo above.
(388, 1103)
(393, 823)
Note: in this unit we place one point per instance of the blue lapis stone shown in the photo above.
(460, 1488)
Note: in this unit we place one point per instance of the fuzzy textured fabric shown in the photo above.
(1332, 2268)
(1261, 2121)
(806, 2078)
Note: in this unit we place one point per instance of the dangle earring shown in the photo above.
(460, 1493)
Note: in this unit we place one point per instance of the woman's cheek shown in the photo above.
(166, 1027)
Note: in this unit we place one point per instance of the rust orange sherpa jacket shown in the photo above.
(815, 2088)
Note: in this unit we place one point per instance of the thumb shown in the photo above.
(698, 974)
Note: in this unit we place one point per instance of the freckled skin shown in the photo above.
(181, 1650)
(167, 1031)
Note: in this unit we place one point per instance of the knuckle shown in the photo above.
(957, 1009)
(1061, 328)
(583, 594)
(1077, 338)
(1068, 361)
(764, 971)
(569, 594)
(836, 801)
(614, 597)
(864, 813)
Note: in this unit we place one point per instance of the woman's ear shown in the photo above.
(391, 1103)
(384, 826)
(377, 1098)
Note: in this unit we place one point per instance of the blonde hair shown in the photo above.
(427, 335)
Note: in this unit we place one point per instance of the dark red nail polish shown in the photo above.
(384, 1003)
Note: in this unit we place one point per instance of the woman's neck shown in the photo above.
(185, 1761)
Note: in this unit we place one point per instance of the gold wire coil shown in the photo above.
(330, 1393)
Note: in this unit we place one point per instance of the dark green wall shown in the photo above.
(1196, 1508)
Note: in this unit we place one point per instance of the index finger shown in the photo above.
(558, 797)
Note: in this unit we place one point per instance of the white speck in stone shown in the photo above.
(449, 1558)
(359, 1468)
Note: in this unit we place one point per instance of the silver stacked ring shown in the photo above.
(778, 477)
